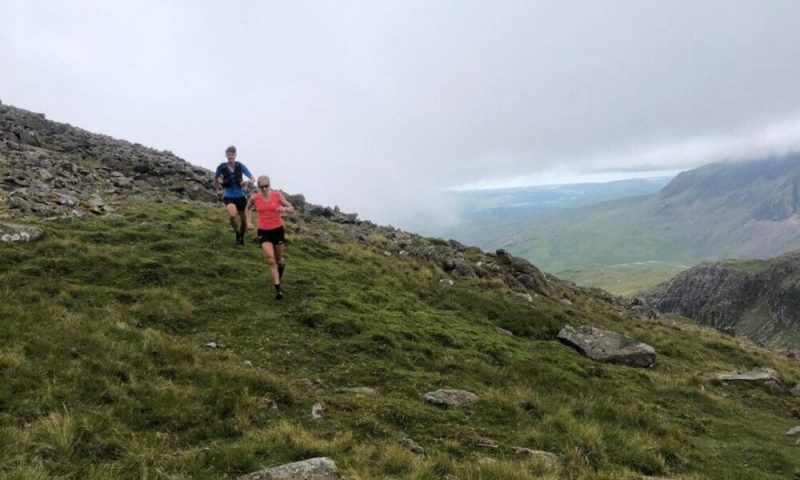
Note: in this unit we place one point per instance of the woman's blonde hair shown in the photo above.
(262, 178)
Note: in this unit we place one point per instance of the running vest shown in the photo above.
(231, 179)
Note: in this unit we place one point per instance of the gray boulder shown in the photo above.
(608, 347)
(320, 468)
(764, 377)
(19, 233)
(450, 397)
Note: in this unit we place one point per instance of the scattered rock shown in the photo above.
(793, 431)
(317, 410)
(19, 233)
(321, 468)
(486, 461)
(412, 446)
(213, 345)
(306, 382)
(504, 332)
(486, 443)
(361, 390)
(447, 282)
(535, 454)
(248, 363)
(523, 296)
(764, 377)
(450, 397)
(96, 204)
(609, 347)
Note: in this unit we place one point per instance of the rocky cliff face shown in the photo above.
(54, 169)
(759, 299)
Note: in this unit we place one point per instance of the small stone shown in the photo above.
(486, 461)
(450, 397)
(213, 345)
(361, 390)
(248, 363)
(793, 431)
(387, 253)
(316, 411)
(504, 332)
(412, 446)
(485, 443)
(446, 282)
(535, 454)
(306, 382)
(527, 297)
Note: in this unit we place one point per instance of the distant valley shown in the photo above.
(721, 210)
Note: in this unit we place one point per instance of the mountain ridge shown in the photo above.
(753, 298)
(743, 209)
(140, 342)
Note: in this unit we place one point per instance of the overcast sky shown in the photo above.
(379, 106)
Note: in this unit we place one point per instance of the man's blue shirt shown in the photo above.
(235, 191)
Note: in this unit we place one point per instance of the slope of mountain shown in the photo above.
(142, 343)
(759, 299)
(722, 210)
(513, 202)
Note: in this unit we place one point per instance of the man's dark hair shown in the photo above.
(230, 149)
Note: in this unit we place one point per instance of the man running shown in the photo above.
(234, 197)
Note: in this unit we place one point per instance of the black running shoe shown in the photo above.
(279, 294)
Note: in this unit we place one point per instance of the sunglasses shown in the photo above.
(263, 186)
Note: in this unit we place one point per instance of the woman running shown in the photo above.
(270, 204)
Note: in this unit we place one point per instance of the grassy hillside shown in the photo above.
(106, 374)
(623, 279)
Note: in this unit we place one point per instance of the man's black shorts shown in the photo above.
(240, 202)
(275, 236)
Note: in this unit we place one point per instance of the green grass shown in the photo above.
(105, 372)
(623, 279)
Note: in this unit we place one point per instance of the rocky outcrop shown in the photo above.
(53, 169)
(759, 299)
(609, 347)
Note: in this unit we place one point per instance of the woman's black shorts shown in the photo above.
(240, 202)
(275, 236)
